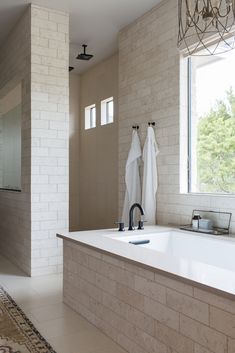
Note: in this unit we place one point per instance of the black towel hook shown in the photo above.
(151, 123)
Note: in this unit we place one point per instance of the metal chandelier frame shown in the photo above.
(206, 27)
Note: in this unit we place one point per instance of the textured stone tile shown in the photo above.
(222, 321)
(200, 349)
(174, 284)
(112, 260)
(187, 305)
(128, 344)
(149, 343)
(231, 345)
(142, 272)
(215, 300)
(161, 313)
(173, 339)
(150, 289)
(106, 284)
(130, 297)
(134, 316)
(204, 335)
(89, 251)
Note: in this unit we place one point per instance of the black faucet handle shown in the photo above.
(141, 224)
(121, 226)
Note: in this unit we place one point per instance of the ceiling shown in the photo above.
(92, 22)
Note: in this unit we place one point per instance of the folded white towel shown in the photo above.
(150, 181)
(132, 177)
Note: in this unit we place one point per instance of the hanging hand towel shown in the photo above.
(132, 177)
(150, 182)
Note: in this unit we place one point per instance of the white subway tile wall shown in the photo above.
(36, 53)
(50, 136)
(149, 89)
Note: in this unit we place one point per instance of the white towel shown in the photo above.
(150, 181)
(132, 177)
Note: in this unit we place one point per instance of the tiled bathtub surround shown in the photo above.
(146, 311)
(149, 89)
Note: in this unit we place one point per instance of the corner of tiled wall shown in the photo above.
(50, 136)
(149, 89)
(15, 220)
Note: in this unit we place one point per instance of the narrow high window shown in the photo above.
(107, 111)
(90, 117)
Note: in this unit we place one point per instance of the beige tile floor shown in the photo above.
(41, 300)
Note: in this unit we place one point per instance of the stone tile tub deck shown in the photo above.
(151, 301)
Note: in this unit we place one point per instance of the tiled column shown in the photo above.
(50, 136)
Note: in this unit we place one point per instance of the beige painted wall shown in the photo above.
(74, 89)
(98, 150)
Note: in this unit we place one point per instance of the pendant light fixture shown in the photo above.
(206, 27)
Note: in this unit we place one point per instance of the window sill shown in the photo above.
(207, 194)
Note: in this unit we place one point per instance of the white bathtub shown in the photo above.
(219, 252)
(170, 281)
(201, 258)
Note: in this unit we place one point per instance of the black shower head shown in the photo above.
(84, 55)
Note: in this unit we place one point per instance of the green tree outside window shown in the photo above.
(216, 148)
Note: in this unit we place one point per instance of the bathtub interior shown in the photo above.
(202, 248)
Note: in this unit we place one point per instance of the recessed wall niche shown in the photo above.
(10, 140)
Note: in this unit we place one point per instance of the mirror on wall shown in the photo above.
(10, 140)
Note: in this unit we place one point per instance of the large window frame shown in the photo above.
(188, 169)
(189, 125)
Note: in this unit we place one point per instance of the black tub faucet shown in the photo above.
(131, 212)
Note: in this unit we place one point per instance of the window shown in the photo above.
(90, 117)
(211, 124)
(107, 110)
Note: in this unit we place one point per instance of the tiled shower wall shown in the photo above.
(149, 89)
(50, 136)
(36, 54)
(15, 225)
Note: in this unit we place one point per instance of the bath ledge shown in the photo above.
(214, 276)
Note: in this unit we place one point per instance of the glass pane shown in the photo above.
(212, 124)
(109, 112)
(93, 117)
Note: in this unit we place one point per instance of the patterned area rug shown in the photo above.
(17, 333)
